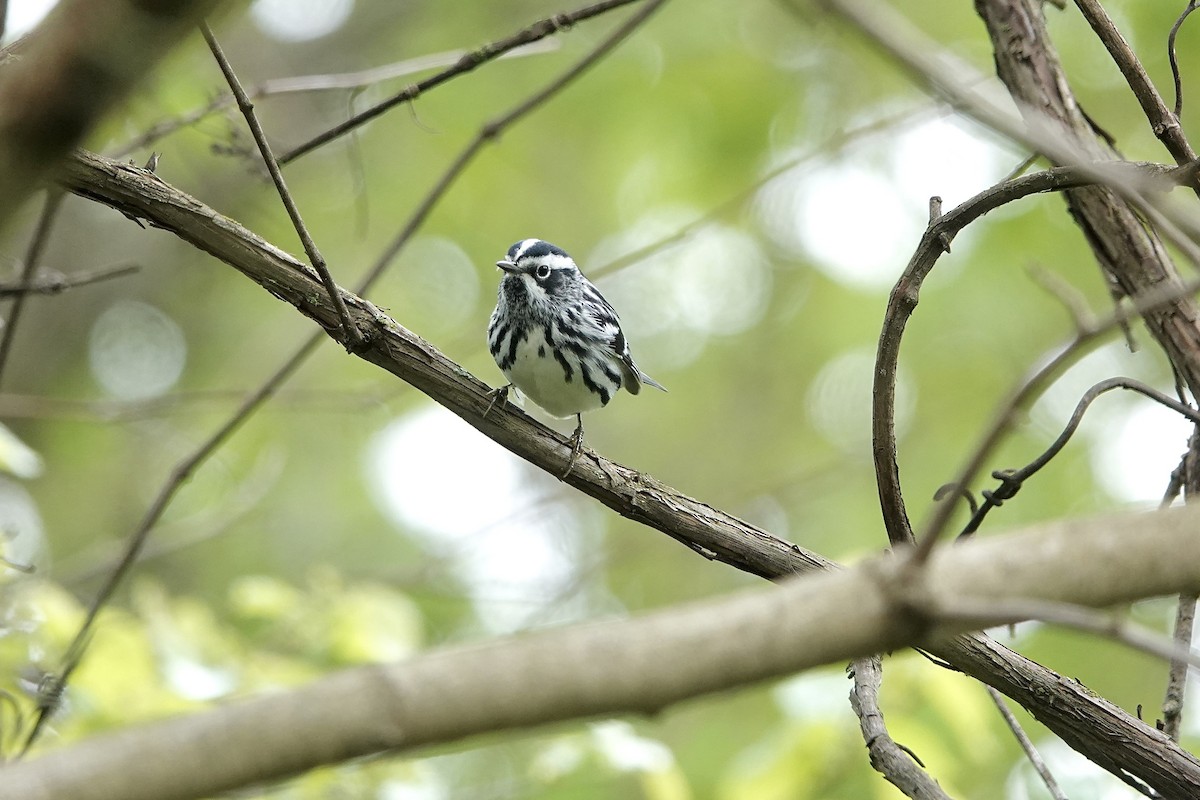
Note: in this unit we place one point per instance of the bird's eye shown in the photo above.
(542, 272)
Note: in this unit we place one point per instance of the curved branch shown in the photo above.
(1104, 733)
(1173, 58)
(899, 765)
(902, 302)
(1011, 481)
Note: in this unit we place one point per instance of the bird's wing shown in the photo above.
(608, 325)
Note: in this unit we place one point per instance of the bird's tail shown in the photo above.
(635, 377)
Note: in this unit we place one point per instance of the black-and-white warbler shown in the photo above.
(556, 338)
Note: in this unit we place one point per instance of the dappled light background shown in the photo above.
(781, 172)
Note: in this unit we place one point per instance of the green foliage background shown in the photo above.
(277, 562)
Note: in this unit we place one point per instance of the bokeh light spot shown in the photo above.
(136, 351)
(300, 20)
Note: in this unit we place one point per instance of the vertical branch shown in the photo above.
(1185, 617)
(1187, 477)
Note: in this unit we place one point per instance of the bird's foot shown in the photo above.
(498, 395)
(576, 448)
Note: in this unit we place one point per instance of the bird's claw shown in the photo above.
(498, 395)
(576, 449)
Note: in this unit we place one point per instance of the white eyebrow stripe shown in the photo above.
(523, 246)
(555, 261)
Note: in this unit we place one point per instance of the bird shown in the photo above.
(556, 339)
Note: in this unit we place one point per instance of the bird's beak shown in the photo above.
(508, 267)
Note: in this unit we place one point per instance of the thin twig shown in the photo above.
(1171, 55)
(1035, 758)
(898, 765)
(1185, 618)
(1011, 481)
(102, 411)
(835, 143)
(344, 81)
(169, 126)
(33, 254)
(353, 338)
(532, 33)
(1187, 477)
(1163, 121)
(57, 283)
(137, 540)
(1019, 169)
(361, 79)
(1066, 294)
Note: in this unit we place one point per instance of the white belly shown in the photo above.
(543, 380)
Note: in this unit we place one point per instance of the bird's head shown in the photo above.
(544, 272)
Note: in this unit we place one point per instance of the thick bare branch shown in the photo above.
(640, 665)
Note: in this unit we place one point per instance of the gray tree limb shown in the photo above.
(640, 665)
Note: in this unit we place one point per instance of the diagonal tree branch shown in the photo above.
(1101, 731)
(1127, 250)
(351, 336)
(1163, 121)
(640, 665)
